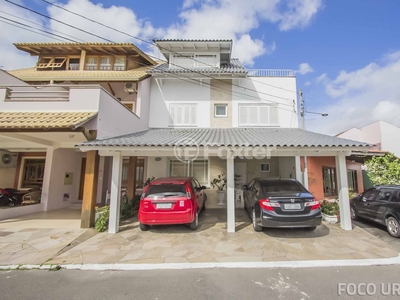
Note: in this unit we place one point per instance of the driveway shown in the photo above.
(211, 243)
(378, 231)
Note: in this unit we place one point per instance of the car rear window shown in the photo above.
(166, 190)
(269, 186)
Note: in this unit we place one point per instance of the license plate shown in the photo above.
(292, 206)
(163, 205)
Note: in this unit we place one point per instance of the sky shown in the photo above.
(346, 54)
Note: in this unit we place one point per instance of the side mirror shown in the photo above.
(245, 187)
(203, 187)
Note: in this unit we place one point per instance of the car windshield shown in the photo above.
(271, 186)
(166, 190)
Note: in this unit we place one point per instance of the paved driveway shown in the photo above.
(211, 243)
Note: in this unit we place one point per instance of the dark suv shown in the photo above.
(380, 204)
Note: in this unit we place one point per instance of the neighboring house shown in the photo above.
(202, 100)
(75, 93)
(381, 134)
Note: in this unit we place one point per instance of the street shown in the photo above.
(379, 282)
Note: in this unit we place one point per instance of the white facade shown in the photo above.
(381, 134)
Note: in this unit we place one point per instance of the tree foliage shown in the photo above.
(384, 169)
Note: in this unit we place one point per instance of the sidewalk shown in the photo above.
(178, 244)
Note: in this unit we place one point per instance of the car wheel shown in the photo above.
(311, 228)
(353, 213)
(256, 227)
(195, 224)
(144, 227)
(393, 227)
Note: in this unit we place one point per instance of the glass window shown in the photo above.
(91, 63)
(352, 180)
(329, 180)
(369, 195)
(105, 63)
(269, 186)
(221, 110)
(384, 195)
(33, 173)
(197, 169)
(74, 63)
(264, 167)
(119, 64)
(166, 190)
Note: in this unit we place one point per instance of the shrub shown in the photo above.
(128, 209)
(330, 208)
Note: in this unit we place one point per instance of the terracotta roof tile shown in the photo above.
(44, 120)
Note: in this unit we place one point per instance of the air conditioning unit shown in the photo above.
(130, 87)
(8, 159)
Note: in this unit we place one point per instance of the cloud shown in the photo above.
(200, 19)
(361, 96)
(304, 68)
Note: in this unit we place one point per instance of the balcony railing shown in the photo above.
(270, 73)
(35, 93)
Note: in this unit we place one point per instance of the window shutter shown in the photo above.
(243, 115)
(264, 115)
(179, 115)
(193, 119)
(253, 118)
(172, 112)
(274, 115)
(183, 114)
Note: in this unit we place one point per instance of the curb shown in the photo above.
(224, 265)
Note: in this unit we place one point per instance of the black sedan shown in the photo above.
(281, 203)
(380, 204)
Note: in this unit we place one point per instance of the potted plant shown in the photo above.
(330, 211)
(219, 182)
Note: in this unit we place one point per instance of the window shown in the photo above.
(51, 62)
(329, 179)
(384, 195)
(183, 114)
(258, 115)
(183, 60)
(105, 63)
(91, 63)
(369, 195)
(33, 172)
(119, 64)
(221, 110)
(196, 168)
(352, 180)
(264, 167)
(73, 63)
(139, 173)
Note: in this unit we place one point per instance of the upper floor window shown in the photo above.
(119, 64)
(105, 63)
(189, 60)
(183, 60)
(73, 63)
(51, 62)
(220, 110)
(258, 115)
(91, 63)
(183, 114)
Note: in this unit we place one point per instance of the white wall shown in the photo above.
(178, 91)
(390, 138)
(354, 134)
(287, 167)
(115, 119)
(7, 176)
(64, 160)
(157, 168)
(276, 87)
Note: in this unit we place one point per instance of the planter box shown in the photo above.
(330, 219)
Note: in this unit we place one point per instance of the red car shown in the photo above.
(172, 200)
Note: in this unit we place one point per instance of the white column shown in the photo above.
(299, 174)
(230, 187)
(305, 173)
(343, 191)
(48, 165)
(115, 197)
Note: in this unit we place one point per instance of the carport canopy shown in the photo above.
(229, 143)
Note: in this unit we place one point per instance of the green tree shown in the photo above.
(384, 169)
